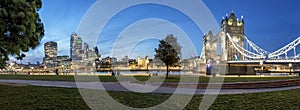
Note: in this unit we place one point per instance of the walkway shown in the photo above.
(115, 86)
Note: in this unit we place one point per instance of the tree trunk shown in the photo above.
(167, 71)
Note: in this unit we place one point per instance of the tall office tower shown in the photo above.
(85, 50)
(50, 49)
(76, 48)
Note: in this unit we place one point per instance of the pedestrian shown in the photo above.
(118, 73)
(56, 71)
(28, 73)
(113, 73)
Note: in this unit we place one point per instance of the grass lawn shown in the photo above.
(141, 78)
(31, 97)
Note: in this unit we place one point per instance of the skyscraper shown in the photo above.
(76, 48)
(86, 51)
(50, 49)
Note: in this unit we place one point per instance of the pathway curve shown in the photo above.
(115, 86)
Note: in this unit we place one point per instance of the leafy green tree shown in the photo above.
(21, 28)
(166, 53)
(172, 40)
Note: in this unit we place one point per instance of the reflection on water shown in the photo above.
(189, 73)
(147, 72)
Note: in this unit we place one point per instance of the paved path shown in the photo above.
(136, 87)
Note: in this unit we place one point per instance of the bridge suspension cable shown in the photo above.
(285, 49)
(256, 48)
(297, 56)
(257, 53)
(243, 51)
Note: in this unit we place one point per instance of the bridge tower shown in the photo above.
(235, 28)
(218, 48)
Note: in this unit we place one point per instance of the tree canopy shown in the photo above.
(173, 42)
(21, 28)
(167, 53)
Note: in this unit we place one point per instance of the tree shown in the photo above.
(173, 41)
(21, 28)
(167, 54)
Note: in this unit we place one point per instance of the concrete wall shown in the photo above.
(240, 70)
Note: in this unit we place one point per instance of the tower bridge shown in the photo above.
(233, 48)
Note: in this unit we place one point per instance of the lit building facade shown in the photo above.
(85, 50)
(62, 58)
(76, 51)
(143, 63)
(50, 49)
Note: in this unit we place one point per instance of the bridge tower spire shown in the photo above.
(235, 28)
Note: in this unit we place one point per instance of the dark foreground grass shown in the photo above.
(140, 78)
(38, 77)
(30, 97)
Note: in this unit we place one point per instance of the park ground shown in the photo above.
(140, 78)
(32, 97)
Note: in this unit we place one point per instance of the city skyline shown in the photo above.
(273, 23)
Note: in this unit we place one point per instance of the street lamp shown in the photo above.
(94, 68)
(290, 66)
(31, 70)
(62, 67)
(22, 68)
(14, 70)
(147, 64)
(261, 63)
(45, 69)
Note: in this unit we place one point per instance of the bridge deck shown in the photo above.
(297, 61)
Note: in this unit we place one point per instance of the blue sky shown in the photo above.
(269, 24)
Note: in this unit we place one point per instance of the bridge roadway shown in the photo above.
(293, 61)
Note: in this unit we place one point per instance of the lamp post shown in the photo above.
(14, 70)
(62, 67)
(22, 68)
(45, 69)
(261, 63)
(31, 70)
(94, 68)
(290, 66)
(71, 67)
(147, 64)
